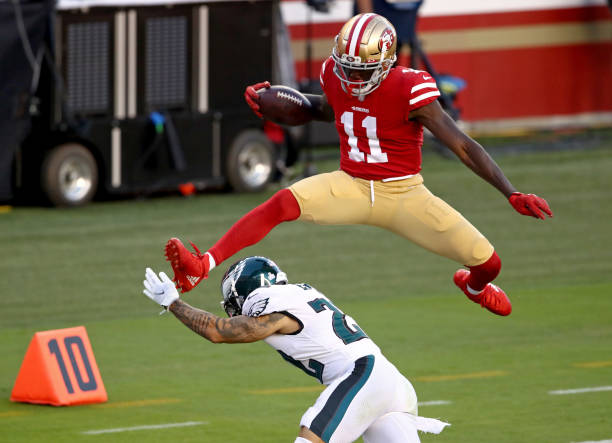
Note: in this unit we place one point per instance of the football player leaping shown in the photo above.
(380, 111)
(365, 394)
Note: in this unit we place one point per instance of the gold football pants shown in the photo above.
(405, 207)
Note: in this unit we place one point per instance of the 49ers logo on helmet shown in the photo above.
(386, 40)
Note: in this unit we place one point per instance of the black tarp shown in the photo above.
(24, 25)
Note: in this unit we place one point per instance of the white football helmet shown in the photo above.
(366, 43)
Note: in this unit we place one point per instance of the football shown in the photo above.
(284, 105)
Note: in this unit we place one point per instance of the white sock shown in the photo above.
(211, 262)
(473, 291)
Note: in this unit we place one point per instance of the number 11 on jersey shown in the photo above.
(376, 154)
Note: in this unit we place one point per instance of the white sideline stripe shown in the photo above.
(434, 402)
(595, 441)
(145, 427)
(296, 12)
(495, 6)
(581, 390)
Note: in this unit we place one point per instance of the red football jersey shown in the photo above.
(377, 141)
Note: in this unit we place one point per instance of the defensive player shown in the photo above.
(365, 395)
(379, 111)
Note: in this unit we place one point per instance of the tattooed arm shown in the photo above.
(239, 329)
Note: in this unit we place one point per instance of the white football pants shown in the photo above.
(395, 427)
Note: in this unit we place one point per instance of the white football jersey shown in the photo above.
(328, 342)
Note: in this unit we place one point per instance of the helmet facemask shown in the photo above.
(373, 55)
(232, 301)
(373, 74)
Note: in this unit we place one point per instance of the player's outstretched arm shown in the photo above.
(470, 152)
(320, 107)
(473, 155)
(238, 329)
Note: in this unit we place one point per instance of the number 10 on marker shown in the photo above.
(69, 342)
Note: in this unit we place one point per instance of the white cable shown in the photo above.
(34, 61)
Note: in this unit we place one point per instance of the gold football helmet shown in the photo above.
(364, 53)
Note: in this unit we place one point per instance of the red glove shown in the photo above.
(252, 98)
(530, 204)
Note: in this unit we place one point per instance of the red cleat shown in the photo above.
(492, 297)
(189, 268)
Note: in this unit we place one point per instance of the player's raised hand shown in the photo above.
(530, 204)
(159, 289)
(252, 98)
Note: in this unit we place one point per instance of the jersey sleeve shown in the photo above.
(327, 69)
(264, 301)
(422, 89)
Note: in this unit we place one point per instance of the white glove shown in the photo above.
(163, 291)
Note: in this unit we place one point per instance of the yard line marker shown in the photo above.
(484, 374)
(145, 427)
(425, 378)
(593, 364)
(13, 413)
(135, 403)
(434, 402)
(580, 390)
(286, 390)
(320, 388)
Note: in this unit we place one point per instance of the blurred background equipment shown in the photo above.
(137, 96)
(23, 29)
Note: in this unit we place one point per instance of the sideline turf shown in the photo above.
(63, 268)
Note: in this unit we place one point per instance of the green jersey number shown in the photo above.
(347, 333)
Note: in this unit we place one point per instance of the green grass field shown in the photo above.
(64, 268)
